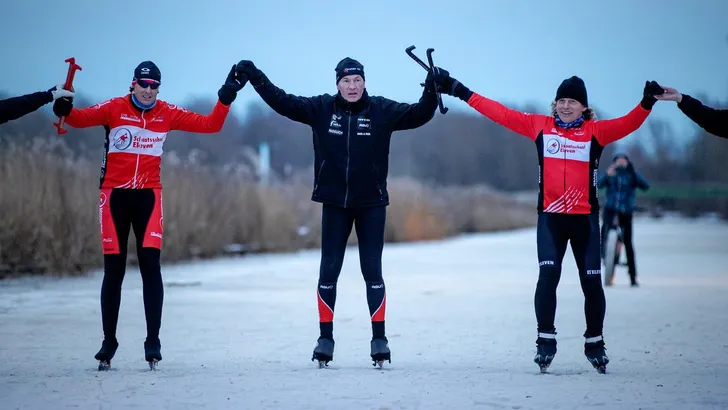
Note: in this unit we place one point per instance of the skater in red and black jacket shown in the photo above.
(16, 107)
(351, 137)
(714, 121)
(136, 127)
(569, 143)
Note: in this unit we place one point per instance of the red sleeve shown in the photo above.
(89, 117)
(608, 131)
(516, 121)
(184, 120)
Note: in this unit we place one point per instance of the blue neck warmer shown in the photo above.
(574, 124)
(140, 105)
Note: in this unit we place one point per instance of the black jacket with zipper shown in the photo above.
(350, 140)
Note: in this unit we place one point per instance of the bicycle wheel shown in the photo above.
(610, 252)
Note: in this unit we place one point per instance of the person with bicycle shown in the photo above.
(621, 182)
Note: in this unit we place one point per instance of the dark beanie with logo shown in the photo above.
(574, 88)
(147, 70)
(348, 66)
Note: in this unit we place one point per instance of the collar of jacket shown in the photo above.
(354, 107)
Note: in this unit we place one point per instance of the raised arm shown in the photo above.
(516, 121)
(300, 109)
(82, 118)
(16, 107)
(403, 116)
(521, 123)
(710, 119)
(185, 120)
(608, 131)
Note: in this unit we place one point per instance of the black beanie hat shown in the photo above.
(574, 88)
(620, 155)
(147, 70)
(348, 66)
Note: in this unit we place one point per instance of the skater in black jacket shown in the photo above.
(351, 139)
(16, 107)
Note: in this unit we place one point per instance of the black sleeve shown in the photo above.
(16, 107)
(712, 120)
(300, 109)
(602, 182)
(403, 116)
(641, 182)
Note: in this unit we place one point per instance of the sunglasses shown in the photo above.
(148, 83)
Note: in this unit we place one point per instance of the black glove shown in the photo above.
(648, 95)
(434, 81)
(250, 70)
(447, 85)
(62, 107)
(233, 83)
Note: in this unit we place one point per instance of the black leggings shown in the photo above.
(554, 232)
(336, 227)
(132, 208)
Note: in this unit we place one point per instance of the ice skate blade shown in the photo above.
(104, 365)
(322, 359)
(379, 363)
(602, 369)
(153, 364)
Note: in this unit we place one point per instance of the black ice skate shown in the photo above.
(323, 352)
(106, 353)
(545, 350)
(380, 352)
(595, 352)
(152, 353)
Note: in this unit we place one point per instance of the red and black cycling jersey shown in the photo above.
(135, 137)
(568, 158)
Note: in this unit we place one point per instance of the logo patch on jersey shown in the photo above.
(101, 104)
(132, 118)
(176, 107)
(553, 146)
(122, 139)
(147, 142)
(559, 147)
